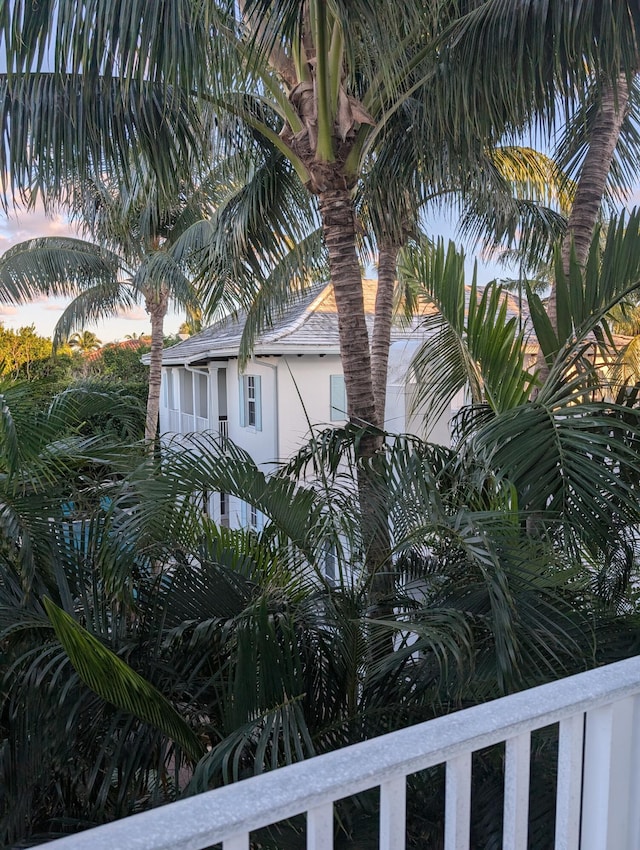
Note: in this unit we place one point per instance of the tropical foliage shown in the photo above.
(133, 258)
(146, 653)
(135, 632)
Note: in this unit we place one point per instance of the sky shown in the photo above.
(45, 312)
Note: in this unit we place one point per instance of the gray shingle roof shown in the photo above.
(310, 324)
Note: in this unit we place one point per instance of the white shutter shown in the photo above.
(241, 394)
(338, 398)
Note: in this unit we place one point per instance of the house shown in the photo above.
(293, 379)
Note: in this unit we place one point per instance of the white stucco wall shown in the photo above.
(259, 442)
(304, 397)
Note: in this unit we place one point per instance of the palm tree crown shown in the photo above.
(85, 342)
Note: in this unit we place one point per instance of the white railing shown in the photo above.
(597, 800)
(223, 427)
(187, 423)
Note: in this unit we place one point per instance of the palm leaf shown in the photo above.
(471, 341)
(53, 266)
(114, 681)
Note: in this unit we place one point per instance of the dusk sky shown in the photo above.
(45, 312)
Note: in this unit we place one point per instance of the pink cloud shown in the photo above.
(8, 310)
(21, 225)
(133, 314)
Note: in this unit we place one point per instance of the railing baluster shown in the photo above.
(516, 792)
(568, 795)
(393, 812)
(633, 841)
(320, 828)
(610, 814)
(237, 842)
(457, 812)
(610, 746)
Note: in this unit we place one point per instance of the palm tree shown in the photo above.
(323, 103)
(136, 256)
(85, 342)
(542, 447)
(322, 84)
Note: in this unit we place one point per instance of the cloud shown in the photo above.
(51, 307)
(8, 310)
(134, 314)
(21, 225)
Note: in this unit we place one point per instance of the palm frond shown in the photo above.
(113, 680)
(55, 127)
(53, 266)
(93, 305)
(471, 341)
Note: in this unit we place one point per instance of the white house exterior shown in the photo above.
(293, 378)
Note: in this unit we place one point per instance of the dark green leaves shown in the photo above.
(114, 681)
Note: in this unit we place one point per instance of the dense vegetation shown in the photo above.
(147, 654)
(248, 657)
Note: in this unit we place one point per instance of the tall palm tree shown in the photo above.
(326, 89)
(136, 256)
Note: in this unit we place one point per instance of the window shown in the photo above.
(251, 402)
(338, 398)
(186, 391)
(224, 510)
(251, 517)
(203, 396)
(330, 561)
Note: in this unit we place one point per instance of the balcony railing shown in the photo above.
(223, 428)
(597, 797)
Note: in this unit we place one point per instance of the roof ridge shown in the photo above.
(275, 334)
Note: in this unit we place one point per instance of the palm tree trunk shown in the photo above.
(336, 209)
(381, 338)
(156, 305)
(339, 232)
(593, 179)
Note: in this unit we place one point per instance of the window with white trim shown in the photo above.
(202, 395)
(251, 402)
(186, 391)
(251, 517)
(337, 398)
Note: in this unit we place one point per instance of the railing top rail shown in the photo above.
(206, 819)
